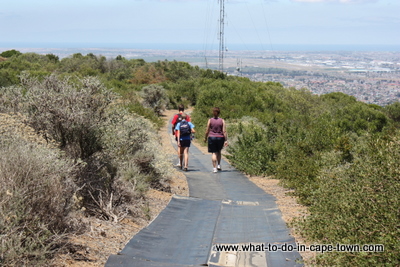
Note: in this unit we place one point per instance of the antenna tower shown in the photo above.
(221, 35)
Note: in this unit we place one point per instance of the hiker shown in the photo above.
(177, 118)
(184, 130)
(217, 138)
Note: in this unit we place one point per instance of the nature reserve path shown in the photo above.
(223, 208)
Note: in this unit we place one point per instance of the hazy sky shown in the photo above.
(262, 22)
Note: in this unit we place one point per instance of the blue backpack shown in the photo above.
(184, 128)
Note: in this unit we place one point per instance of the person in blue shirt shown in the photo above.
(184, 130)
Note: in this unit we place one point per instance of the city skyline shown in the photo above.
(251, 24)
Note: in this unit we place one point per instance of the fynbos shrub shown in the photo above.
(155, 97)
(133, 141)
(69, 112)
(253, 151)
(358, 203)
(36, 187)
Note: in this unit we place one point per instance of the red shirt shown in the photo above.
(174, 120)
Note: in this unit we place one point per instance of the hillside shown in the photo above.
(337, 155)
(100, 238)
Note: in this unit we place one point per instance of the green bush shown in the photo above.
(359, 203)
(89, 65)
(253, 152)
(393, 111)
(298, 171)
(10, 53)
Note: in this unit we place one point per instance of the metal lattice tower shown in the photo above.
(221, 35)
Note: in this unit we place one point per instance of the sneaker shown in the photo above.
(219, 167)
(178, 164)
(185, 169)
(215, 170)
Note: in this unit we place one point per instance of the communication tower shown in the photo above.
(221, 35)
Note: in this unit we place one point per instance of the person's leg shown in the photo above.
(218, 156)
(181, 153)
(179, 158)
(214, 159)
(212, 149)
(186, 155)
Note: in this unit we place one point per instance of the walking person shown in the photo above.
(184, 130)
(217, 138)
(175, 120)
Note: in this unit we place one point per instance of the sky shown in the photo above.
(194, 23)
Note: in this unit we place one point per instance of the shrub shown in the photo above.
(133, 144)
(118, 152)
(393, 111)
(155, 97)
(134, 105)
(36, 189)
(10, 53)
(114, 180)
(68, 112)
(359, 203)
(298, 171)
(253, 151)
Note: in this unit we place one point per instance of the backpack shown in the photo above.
(178, 120)
(184, 128)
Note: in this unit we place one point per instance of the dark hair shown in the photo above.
(181, 107)
(216, 110)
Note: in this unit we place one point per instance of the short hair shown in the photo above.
(181, 107)
(183, 115)
(217, 110)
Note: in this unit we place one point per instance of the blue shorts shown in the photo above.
(215, 144)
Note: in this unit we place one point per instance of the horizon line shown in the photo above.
(200, 47)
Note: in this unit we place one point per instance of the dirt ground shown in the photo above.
(106, 238)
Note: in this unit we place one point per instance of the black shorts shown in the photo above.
(215, 144)
(185, 143)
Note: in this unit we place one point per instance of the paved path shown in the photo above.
(224, 208)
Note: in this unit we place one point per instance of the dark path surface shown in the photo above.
(223, 208)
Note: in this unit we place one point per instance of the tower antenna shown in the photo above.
(221, 35)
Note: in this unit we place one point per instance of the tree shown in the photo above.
(53, 58)
(10, 53)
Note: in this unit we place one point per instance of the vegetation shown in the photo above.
(338, 154)
(331, 149)
(36, 196)
(97, 158)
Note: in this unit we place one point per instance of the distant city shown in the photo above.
(371, 76)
